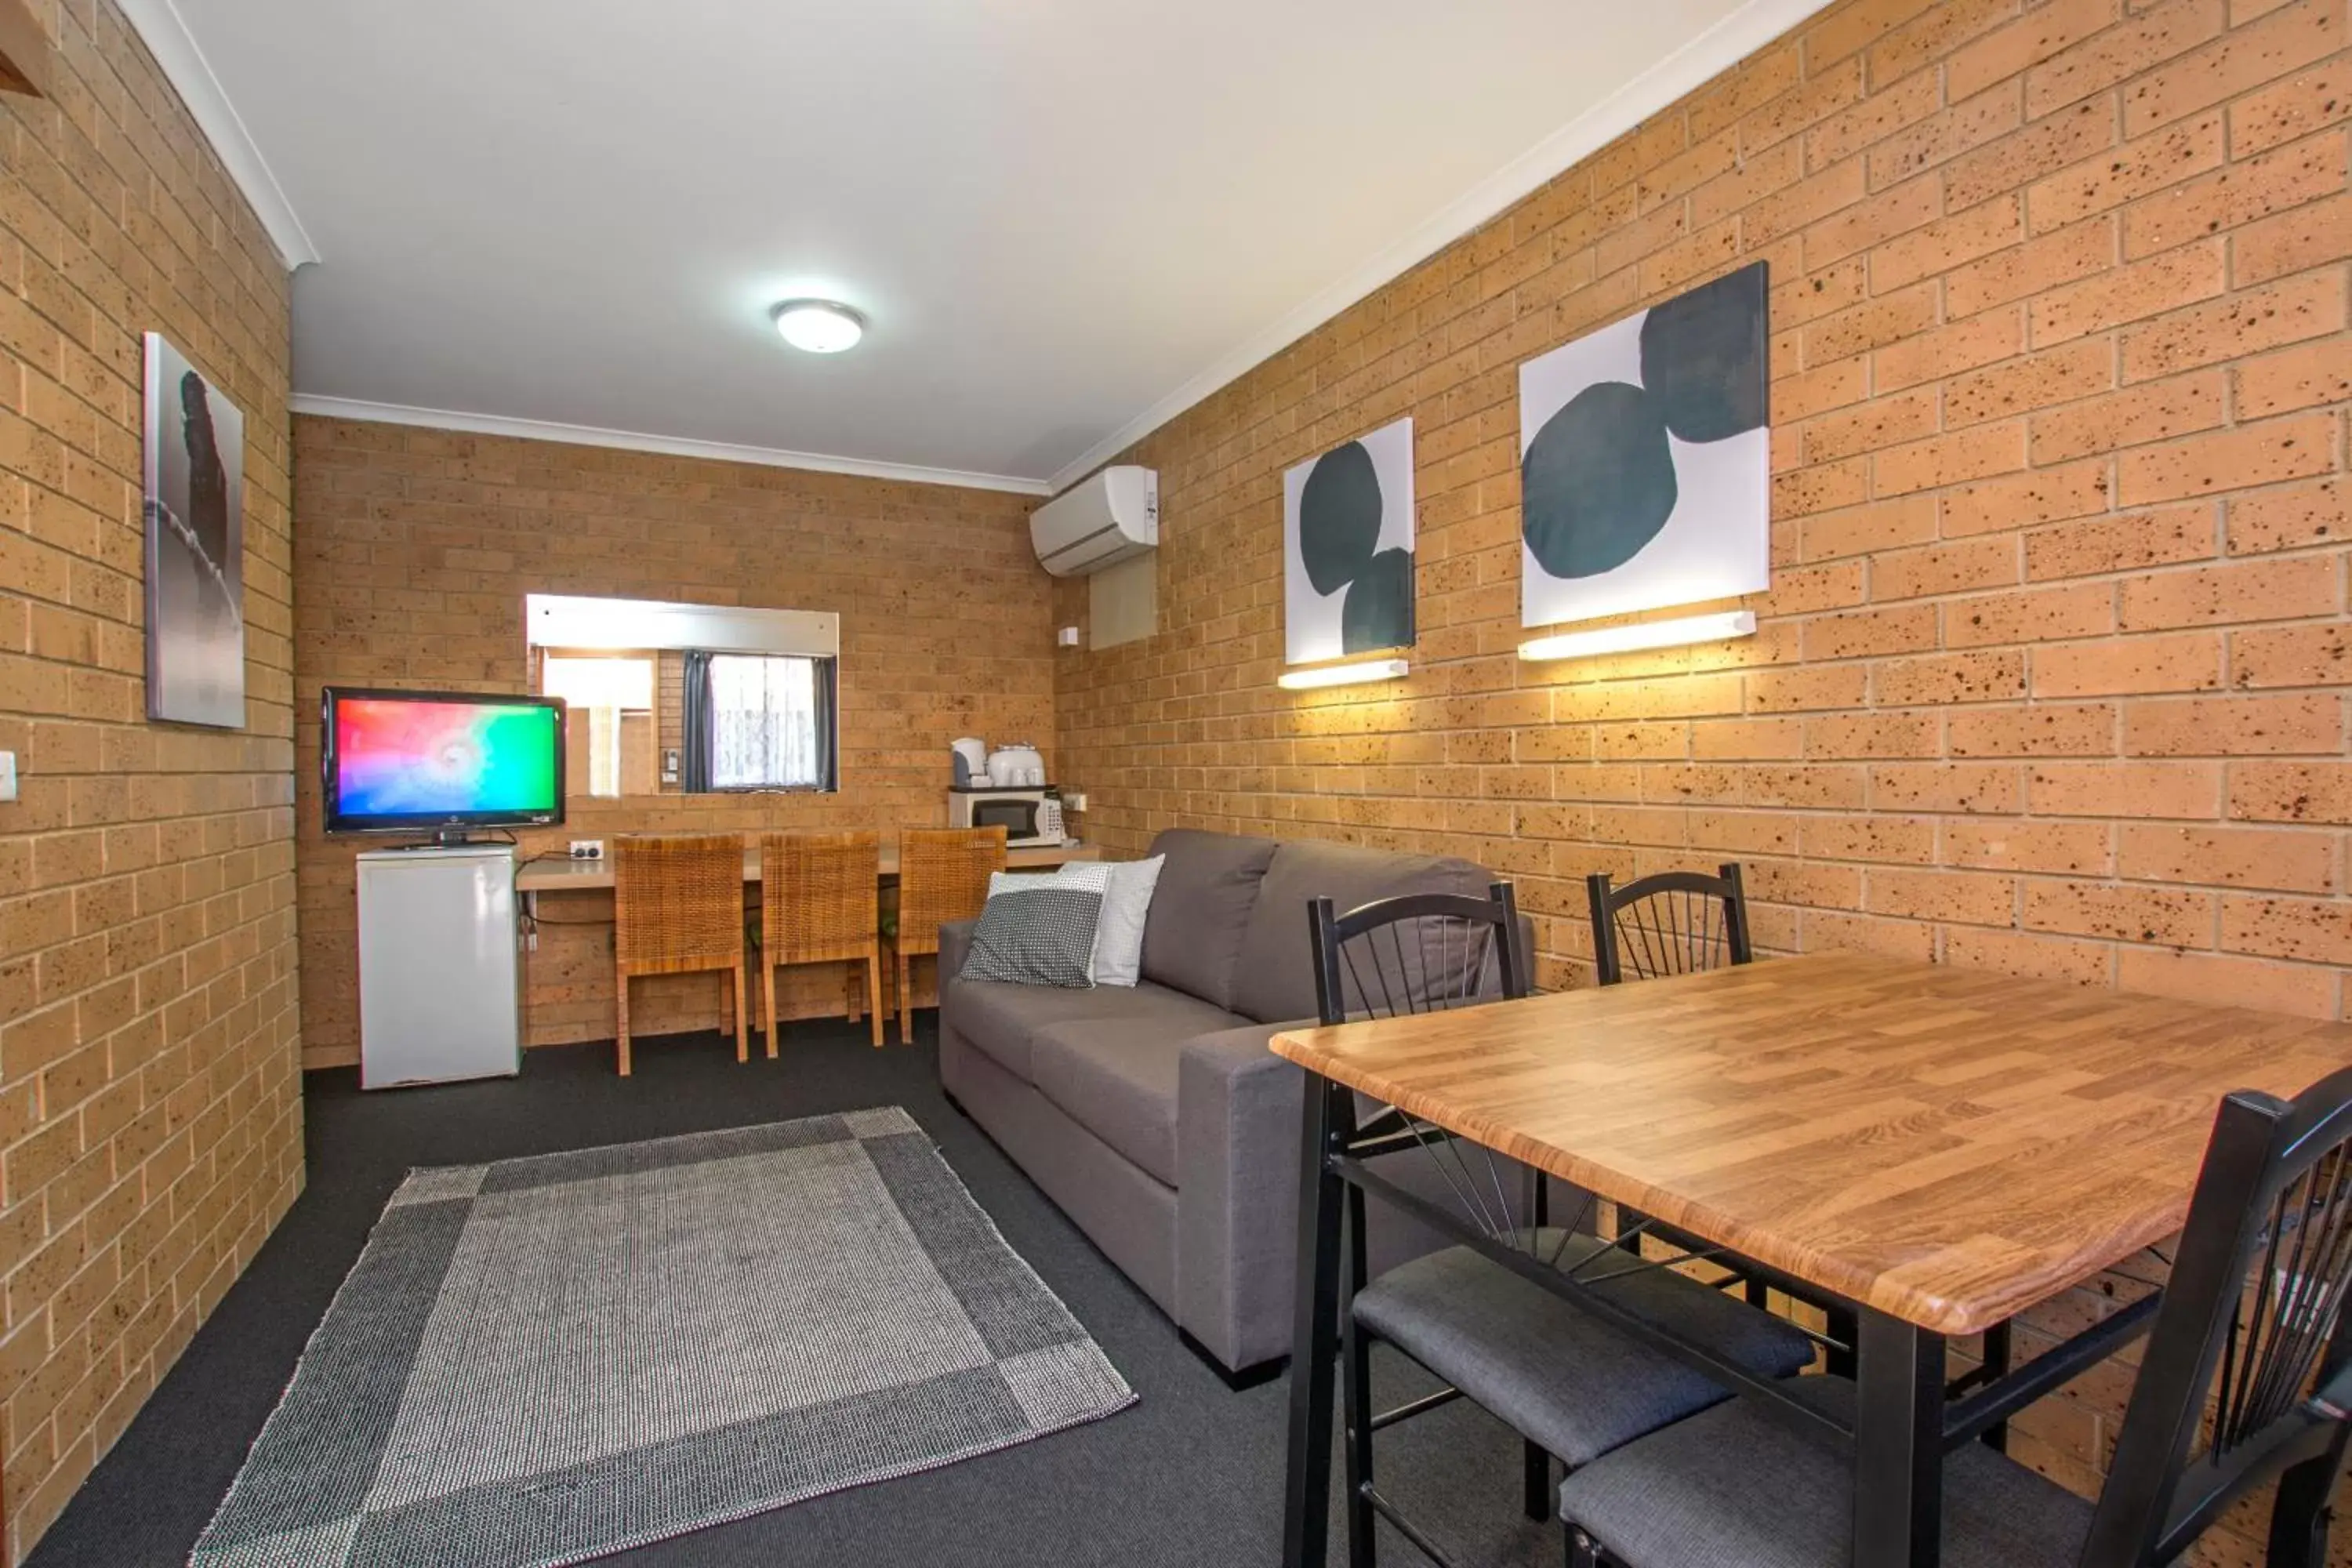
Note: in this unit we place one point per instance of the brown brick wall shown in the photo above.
(150, 1106)
(416, 549)
(2051, 676)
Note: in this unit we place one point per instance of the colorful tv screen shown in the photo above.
(414, 761)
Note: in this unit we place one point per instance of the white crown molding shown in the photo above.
(1692, 66)
(668, 445)
(166, 33)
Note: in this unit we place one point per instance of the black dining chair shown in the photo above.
(1676, 922)
(1687, 922)
(2247, 1377)
(1571, 1386)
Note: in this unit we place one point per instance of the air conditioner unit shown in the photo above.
(1106, 518)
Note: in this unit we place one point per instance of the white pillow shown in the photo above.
(1126, 900)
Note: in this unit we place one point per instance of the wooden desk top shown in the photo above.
(1949, 1146)
(564, 875)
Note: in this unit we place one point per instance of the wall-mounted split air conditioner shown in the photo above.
(1106, 518)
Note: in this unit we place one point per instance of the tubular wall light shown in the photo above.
(819, 326)
(1343, 675)
(1648, 634)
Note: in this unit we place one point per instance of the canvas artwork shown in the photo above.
(1646, 460)
(1347, 548)
(195, 545)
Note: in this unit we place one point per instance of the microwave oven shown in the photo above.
(1031, 818)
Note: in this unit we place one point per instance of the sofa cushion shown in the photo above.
(1001, 1020)
(1202, 904)
(1275, 979)
(1118, 1077)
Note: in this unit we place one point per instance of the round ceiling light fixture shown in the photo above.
(819, 326)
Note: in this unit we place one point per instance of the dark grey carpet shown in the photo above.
(1191, 1475)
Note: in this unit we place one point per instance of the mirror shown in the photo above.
(668, 699)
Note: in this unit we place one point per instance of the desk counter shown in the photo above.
(564, 875)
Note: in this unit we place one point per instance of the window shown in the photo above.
(769, 722)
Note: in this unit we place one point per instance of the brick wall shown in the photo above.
(150, 1107)
(2052, 675)
(416, 549)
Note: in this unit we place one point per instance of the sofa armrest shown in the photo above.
(955, 943)
(1237, 1125)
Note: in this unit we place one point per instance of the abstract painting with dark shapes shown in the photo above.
(1347, 548)
(195, 545)
(1646, 460)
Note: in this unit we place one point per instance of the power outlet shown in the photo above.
(1074, 801)
(7, 776)
(587, 849)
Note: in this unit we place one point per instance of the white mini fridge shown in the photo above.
(440, 983)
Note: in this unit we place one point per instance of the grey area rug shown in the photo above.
(544, 1359)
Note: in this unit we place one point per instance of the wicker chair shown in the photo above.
(818, 898)
(943, 876)
(677, 909)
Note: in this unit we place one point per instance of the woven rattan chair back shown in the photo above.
(677, 909)
(943, 876)
(819, 903)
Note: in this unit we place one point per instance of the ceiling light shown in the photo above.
(1343, 675)
(1648, 634)
(819, 326)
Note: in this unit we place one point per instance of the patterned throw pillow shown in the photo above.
(1038, 930)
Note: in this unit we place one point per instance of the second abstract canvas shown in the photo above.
(1646, 460)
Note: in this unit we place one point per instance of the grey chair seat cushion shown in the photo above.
(1117, 1078)
(1738, 1487)
(1553, 1371)
(1001, 1021)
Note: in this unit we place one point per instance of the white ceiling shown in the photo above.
(1067, 219)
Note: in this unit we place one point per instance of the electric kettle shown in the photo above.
(969, 758)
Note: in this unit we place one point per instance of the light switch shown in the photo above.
(7, 776)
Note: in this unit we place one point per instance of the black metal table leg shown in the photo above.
(1307, 1484)
(1997, 1353)
(1898, 1440)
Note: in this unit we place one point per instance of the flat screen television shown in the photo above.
(440, 761)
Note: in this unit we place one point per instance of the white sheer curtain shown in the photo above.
(763, 723)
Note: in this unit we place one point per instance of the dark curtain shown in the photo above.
(694, 767)
(828, 726)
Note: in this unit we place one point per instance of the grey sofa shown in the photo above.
(1156, 1117)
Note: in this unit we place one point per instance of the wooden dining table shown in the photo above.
(1938, 1148)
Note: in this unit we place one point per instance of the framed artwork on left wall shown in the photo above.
(1347, 548)
(194, 510)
